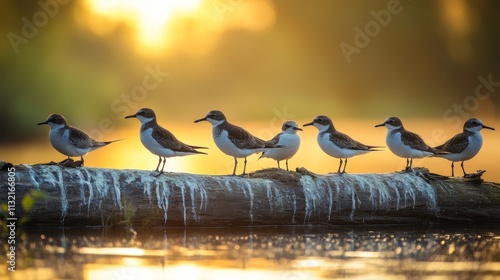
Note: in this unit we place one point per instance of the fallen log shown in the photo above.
(104, 197)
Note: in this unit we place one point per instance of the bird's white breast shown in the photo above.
(335, 151)
(153, 146)
(229, 148)
(397, 146)
(475, 144)
(60, 142)
(290, 145)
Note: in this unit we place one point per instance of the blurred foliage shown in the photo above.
(27, 203)
(31, 198)
(421, 63)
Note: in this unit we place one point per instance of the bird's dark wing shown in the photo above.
(455, 145)
(243, 139)
(275, 140)
(167, 140)
(343, 141)
(79, 138)
(415, 141)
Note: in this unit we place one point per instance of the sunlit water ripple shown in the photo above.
(263, 252)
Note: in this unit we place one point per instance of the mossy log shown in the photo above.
(103, 197)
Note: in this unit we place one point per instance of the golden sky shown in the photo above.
(259, 61)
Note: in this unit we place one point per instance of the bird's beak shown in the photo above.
(488, 127)
(378, 125)
(202, 119)
(297, 128)
(45, 122)
(311, 123)
(131, 116)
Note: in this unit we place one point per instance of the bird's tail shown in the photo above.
(98, 144)
(261, 155)
(438, 152)
(193, 149)
(268, 147)
(198, 152)
(375, 148)
(198, 147)
(272, 146)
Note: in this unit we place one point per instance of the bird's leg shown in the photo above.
(158, 166)
(345, 164)
(244, 167)
(235, 164)
(408, 165)
(69, 162)
(463, 169)
(278, 164)
(452, 169)
(340, 165)
(65, 161)
(286, 161)
(163, 166)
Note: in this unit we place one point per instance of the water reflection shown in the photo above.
(263, 253)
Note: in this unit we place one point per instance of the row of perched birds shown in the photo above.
(239, 143)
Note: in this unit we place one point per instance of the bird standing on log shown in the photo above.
(337, 144)
(405, 143)
(160, 141)
(234, 140)
(70, 141)
(465, 145)
(289, 141)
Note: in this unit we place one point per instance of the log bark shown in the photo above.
(105, 197)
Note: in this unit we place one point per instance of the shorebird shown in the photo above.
(336, 143)
(234, 140)
(70, 141)
(465, 145)
(404, 143)
(289, 141)
(160, 141)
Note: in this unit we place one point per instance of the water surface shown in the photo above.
(382, 252)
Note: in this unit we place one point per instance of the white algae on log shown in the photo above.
(101, 197)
